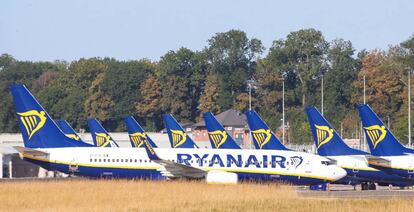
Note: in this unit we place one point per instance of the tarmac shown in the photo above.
(347, 191)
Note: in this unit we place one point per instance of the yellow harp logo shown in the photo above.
(149, 147)
(178, 137)
(102, 139)
(323, 134)
(138, 138)
(33, 121)
(73, 136)
(218, 137)
(376, 133)
(261, 136)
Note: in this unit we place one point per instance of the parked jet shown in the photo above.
(100, 136)
(136, 133)
(263, 137)
(329, 144)
(388, 153)
(219, 138)
(176, 134)
(47, 146)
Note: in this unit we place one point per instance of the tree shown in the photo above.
(338, 88)
(121, 84)
(149, 106)
(384, 84)
(98, 104)
(208, 100)
(182, 74)
(233, 57)
(11, 72)
(302, 56)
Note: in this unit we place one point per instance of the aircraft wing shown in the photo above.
(30, 152)
(378, 161)
(171, 168)
(176, 170)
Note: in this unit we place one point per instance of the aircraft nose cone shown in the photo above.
(338, 173)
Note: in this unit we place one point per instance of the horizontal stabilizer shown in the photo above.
(378, 161)
(30, 152)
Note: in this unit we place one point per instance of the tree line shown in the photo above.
(187, 82)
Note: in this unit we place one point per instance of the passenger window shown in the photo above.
(104, 160)
(135, 160)
(90, 160)
(140, 160)
(130, 160)
(96, 159)
(122, 160)
(117, 160)
(99, 160)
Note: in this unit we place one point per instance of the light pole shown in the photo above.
(250, 85)
(283, 110)
(362, 132)
(409, 106)
(322, 96)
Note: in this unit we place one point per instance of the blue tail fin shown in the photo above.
(176, 134)
(38, 129)
(100, 136)
(380, 140)
(136, 134)
(68, 130)
(219, 138)
(263, 137)
(327, 140)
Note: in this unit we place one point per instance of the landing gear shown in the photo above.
(372, 186)
(368, 186)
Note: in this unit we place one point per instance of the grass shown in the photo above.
(140, 195)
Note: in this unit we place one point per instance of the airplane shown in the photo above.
(47, 146)
(176, 134)
(218, 137)
(100, 136)
(136, 133)
(263, 137)
(388, 153)
(329, 144)
(68, 130)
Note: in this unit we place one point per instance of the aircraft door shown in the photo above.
(308, 166)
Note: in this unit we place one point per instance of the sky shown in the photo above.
(48, 30)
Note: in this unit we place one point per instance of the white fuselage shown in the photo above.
(273, 163)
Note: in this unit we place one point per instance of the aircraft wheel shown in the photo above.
(372, 186)
(364, 186)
